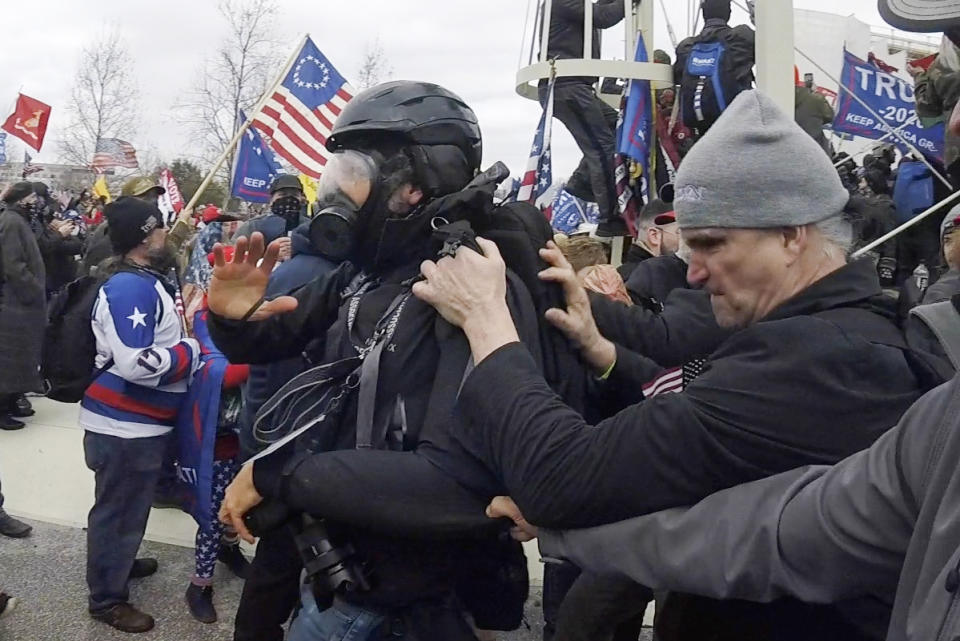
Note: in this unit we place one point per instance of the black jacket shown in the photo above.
(59, 257)
(652, 280)
(566, 28)
(740, 42)
(803, 386)
(635, 255)
(791, 390)
(423, 365)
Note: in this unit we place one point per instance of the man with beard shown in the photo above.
(144, 363)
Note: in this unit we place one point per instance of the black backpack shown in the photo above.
(69, 346)
(708, 85)
(520, 230)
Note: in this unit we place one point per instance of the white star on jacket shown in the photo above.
(138, 318)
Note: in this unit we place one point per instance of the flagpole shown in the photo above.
(239, 133)
(910, 223)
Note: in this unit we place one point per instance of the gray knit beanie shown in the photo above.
(756, 168)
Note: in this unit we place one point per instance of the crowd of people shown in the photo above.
(740, 422)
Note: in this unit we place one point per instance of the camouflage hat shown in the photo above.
(140, 185)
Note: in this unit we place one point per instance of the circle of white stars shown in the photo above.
(303, 84)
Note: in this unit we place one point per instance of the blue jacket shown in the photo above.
(304, 265)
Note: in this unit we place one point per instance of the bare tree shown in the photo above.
(374, 68)
(104, 102)
(235, 77)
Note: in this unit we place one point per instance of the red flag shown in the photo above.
(923, 63)
(28, 122)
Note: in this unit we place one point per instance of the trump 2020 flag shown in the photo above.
(535, 185)
(254, 167)
(889, 97)
(300, 114)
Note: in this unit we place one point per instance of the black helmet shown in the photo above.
(443, 130)
(285, 181)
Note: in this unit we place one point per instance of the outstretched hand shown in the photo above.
(576, 321)
(238, 286)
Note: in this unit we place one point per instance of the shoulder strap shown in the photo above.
(943, 320)
(370, 373)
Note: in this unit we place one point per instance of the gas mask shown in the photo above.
(347, 192)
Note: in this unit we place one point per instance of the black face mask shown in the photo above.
(289, 208)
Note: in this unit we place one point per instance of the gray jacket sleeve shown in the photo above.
(820, 534)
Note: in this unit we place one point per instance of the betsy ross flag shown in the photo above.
(113, 152)
(300, 114)
(536, 181)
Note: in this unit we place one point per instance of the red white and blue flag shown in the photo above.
(299, 116)
(536, 182)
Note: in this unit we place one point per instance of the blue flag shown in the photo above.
(3, 148)
(197, 426)
(569, 212)
(254, 167)
(636, 124)
(890, 98)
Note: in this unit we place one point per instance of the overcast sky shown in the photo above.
(471, 48)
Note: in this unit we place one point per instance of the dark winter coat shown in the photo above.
(812, 112)
(23, 314)
(422, 366)
(808, 384)
(566, 29)
(59, 257)
(635, 255)
(652, 280)
(97, 249)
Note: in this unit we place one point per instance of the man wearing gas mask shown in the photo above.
(377, 415)
(288, 210)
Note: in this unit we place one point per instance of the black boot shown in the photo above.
(20, 406)
(13, 528)
(233, 558)
(9, 424)
(200, 602)
(143, 568)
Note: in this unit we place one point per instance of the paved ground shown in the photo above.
(46, 571)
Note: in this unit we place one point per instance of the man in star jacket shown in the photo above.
(144, 364)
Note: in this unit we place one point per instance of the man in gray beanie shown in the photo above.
(816, 371)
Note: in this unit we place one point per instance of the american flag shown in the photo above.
(669, 381)
(300, 114)
(536, 182)
(28, 166)
(113, 152)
